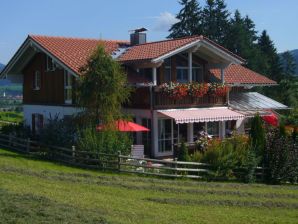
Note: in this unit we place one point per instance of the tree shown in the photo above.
(189, 20)
(288, 64)
(241, 40)
(257, 136)
(269, 53)
(102, 88)
(215, 20)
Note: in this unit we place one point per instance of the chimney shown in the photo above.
(138, 36)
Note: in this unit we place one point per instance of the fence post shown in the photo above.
(73, 148)
(175, 166)
(119, 161)
(28, 145)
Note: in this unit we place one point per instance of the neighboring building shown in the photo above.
(49, 67)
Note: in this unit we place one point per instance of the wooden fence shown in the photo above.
(110, 162)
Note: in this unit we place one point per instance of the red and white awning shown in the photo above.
(201, 115)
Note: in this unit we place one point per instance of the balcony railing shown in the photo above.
(163, 101)
(141, 99)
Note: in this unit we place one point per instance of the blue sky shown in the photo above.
(111, 19)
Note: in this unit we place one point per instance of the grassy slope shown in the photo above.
(33, 191)
(11, 116)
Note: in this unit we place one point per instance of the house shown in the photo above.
(48, 67)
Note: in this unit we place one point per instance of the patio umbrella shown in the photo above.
(271, 119)
(125, 126)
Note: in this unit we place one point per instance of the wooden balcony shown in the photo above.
(141, 99)
(163, 101)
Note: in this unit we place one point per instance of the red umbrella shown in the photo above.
(125, 126)
(271, 119)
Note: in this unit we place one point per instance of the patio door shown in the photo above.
(167, 135)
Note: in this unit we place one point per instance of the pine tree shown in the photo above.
(189, 20)
(241, 40)
(215, 20)
(272, 64)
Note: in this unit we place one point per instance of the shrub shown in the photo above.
(58, 132)
(257, 136)
(281, 157)
(19, 130)
(104, 141)
(183, 152)
(227, 155)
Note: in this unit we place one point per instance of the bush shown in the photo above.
(257, 136)
(19, 130)
(183, 152)
(281, 157)
(104, 141)
(227, 155)
(59, 132)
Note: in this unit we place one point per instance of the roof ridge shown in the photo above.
(174, 39)
(78, 38)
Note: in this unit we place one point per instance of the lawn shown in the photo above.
(11, 116)
(33, 191)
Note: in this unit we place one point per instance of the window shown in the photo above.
(37, 122)
(51, 66)
(67, 87)
(36, 80)
(197, 74)
(182, 74)
(213, 128)
(164, 135)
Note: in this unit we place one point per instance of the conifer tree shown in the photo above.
(271, 60)
(189, 20)
(215, 20)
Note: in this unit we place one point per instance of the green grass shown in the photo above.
(11, 116)
(33, 191)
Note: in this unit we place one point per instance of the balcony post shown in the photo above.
(190, 132)
(222, 75)
(190, 66)
(154, 134)
(154, 76)
(222, 129)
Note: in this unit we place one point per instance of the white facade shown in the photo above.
(47, 112)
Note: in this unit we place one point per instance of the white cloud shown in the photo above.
(164, 21)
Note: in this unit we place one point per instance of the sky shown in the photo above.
(112, 19)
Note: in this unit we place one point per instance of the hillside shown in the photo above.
(295, 55)
(34, 191)
(1, 66)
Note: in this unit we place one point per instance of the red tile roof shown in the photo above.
(73, 52)
(152, 50)
(238, 74)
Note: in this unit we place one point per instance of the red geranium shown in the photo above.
(198, 90)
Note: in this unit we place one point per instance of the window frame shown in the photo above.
(67, 87)
(37, 80)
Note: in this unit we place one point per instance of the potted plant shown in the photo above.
(198, 89)
(219, 90)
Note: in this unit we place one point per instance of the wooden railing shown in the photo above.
(114, 162)
(141, 98)
(163, 101)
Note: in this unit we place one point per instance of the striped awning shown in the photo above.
(201, 115)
